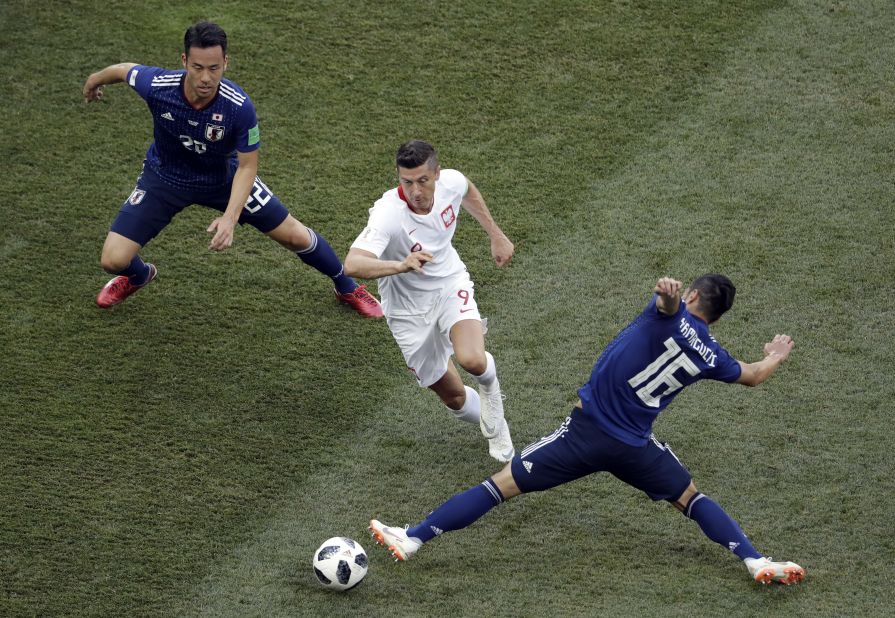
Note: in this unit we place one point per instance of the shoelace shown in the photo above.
(496, 396)
(362, 295)
(121, 285)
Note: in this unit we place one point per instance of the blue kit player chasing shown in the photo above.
(663, 350)
(205, 151)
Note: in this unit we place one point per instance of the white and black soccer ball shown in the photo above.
(340, 563)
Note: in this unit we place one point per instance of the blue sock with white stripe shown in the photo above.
(137, 272)
(458, 512)
(322, 257)
(719, 526)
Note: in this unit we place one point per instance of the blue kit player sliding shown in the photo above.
(205, 151)
(666, 348)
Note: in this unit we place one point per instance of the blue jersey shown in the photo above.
(646, 366)
(195, 148)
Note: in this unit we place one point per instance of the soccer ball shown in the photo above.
(340, 563)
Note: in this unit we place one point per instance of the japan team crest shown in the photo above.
(448, 217)
(214, 132)
(137, 197)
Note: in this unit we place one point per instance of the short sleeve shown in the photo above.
(376, 236)
(652, 310)
(140, 78)
(248, 136)
(454, 181)
(726, 369)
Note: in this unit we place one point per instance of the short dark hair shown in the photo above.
(204, 34)
(716, 294)
(416, 152)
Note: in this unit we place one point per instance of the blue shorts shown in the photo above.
(580, 447)
(154, 203)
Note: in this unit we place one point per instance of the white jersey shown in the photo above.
(394, 231)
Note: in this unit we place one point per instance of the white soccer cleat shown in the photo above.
(500, 447)
(491, 413)
(401, 546)
(765, 571)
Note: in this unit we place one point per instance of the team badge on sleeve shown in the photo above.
(136, 197)
(214, 132)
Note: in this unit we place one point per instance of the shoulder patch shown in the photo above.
(254, 135)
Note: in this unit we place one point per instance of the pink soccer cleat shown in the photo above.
(120, 287)
(361, 301)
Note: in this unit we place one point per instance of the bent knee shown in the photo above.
(118, 251)
(292, 234)
(684, 499)
(474, 363)
(113, 263)
(506, 483)
(454, 401)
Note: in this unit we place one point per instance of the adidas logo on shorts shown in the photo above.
(528, 466)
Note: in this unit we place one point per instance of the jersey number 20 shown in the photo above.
(662, 371)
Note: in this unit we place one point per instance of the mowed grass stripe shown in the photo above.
(127, 558)
(237, 586)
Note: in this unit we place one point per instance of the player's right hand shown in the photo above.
(92, 93)
(223, 229)
(92, 90)
(416, 260)
(666, 286)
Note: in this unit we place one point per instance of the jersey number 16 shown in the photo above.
(662, 371)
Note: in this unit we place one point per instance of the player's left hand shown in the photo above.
(780, 347)
(502, 250)
(222, 227)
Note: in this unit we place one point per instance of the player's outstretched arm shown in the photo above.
(112, 74)
(669, 295)
(776, 351)
(365, 265)
(501, 247)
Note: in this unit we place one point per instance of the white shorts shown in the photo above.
(425, 340)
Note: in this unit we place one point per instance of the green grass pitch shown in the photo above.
(184, 453)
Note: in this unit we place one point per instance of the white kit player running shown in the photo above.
(426, 292)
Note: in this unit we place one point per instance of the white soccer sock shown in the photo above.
(489, 378)
(471, 410)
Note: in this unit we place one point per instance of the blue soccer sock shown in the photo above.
(719, 526)
(458, 512)
(137, 272)
(322, 257)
